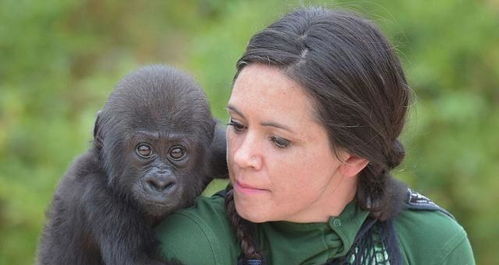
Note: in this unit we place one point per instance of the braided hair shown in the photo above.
(351, 72)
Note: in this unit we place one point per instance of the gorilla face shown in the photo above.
(163, 170)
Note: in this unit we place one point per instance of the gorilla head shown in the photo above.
(153, 137)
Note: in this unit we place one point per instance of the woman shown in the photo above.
(318, 102)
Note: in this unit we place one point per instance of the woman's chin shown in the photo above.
(252, 214)
(254, 217)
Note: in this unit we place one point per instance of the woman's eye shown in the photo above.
(238, 127)
(177, 152)
(144, 150)
(280, 142)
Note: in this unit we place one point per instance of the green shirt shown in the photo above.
(202, 235)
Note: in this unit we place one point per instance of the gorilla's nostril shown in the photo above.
(160, 185)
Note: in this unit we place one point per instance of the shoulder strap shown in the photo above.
(418, 202)
(376, 243)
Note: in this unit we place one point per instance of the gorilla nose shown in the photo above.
(160, 183)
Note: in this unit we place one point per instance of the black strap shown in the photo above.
(418, 202)
(382, 234)
(376, 243)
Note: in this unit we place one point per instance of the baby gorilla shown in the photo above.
(155, 148)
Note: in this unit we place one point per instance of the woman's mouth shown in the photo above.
(246, 189)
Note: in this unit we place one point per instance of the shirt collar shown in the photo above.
(323, 241)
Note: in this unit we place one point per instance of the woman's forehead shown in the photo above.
(268, 87)
(266, 94)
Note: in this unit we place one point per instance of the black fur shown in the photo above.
(107, 203)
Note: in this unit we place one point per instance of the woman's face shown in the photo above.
(280, 161)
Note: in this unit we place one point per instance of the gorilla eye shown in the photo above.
(144, 150)
(177, 152)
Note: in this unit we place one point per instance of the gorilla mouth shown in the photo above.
(154, 199)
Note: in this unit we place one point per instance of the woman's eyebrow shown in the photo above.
(276, 125)
(266, 123)
(234, 109)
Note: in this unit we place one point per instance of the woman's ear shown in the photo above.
(352, 165)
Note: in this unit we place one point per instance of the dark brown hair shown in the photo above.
(351, 72)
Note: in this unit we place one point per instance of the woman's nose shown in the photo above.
(247, 154)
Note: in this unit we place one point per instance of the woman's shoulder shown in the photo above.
(430, 235)
(200, 234)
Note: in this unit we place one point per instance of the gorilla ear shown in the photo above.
(98, 142)
(217, 159)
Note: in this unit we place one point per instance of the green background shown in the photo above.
(59, 59)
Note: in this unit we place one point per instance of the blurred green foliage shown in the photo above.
(60, 59)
